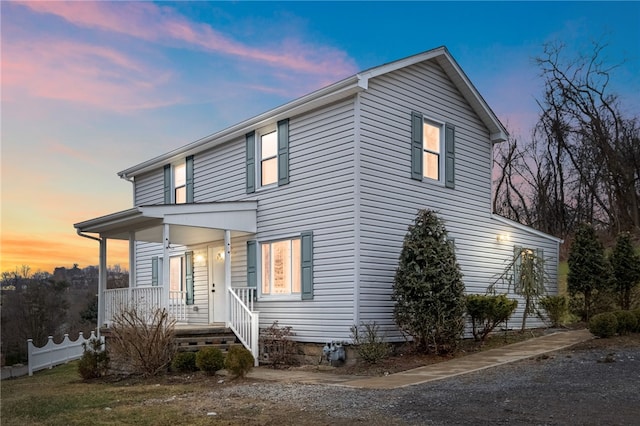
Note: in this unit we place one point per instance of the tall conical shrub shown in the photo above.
(588, 269)
(428, 288)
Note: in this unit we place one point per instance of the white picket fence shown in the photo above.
(52, 354)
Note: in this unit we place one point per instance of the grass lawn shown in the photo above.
(60, 397)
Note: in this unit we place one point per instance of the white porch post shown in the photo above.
(227, 271)
(102, 282)
(132, 259)
(165, 265)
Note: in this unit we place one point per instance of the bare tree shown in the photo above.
(582, 161)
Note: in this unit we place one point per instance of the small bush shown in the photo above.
(239, 361)
(369, 344)
(210, 360)
(184, 362)
(556, 308)
(95, 360)
(277, 346)
(487, 312)
(603, 325)
(627, 322)
(636, 312)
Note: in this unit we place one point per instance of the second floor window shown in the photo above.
(180, 183)
(431, 143)
(433, 153)
(268, 158)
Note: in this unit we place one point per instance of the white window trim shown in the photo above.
(258, 163)
(441, 154)
(272, 297)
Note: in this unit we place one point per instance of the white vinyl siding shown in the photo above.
(149, 188)
(318, 198)
(390, 199)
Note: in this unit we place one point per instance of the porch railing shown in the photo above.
(146, 300)
(178, 305)
(243, 320)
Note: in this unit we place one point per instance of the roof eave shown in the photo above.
(324, 96)
(329, 94)
(525, 228)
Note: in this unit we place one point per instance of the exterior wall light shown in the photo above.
(502, 237)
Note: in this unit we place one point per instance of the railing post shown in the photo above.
(30, 355)
(255, 331)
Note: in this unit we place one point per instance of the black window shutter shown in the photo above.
(306, 258)
(450, 156)
(283, 152)
(251, 162)
(167, 184)
(189, 172)
(188, 260)
(416, 145)
(252, 264)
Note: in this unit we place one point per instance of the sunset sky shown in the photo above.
(90, 89)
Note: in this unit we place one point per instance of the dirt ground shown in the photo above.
(594, 383)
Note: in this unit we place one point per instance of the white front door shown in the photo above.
(217, 293)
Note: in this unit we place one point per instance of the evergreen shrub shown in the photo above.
(487, 312)
(210, 360)
(239, 361)
(604, 325)
(556, 308)
(636, 312)
(184, 362)
(428, 290)
(95, 360)
(627, 322)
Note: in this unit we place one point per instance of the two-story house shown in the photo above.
(300, 212)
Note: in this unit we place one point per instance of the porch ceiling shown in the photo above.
(189, 223)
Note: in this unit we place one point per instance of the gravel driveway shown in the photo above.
(572, 387)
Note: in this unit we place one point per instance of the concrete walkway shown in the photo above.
(467, 364)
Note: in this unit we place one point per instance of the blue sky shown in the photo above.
(89, 89)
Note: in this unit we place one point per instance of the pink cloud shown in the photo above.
(162, 24)
(58, 148)
(78, 72)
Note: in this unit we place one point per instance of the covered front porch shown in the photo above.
(180, 259)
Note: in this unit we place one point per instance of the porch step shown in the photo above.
(191, 339)
(194, 338)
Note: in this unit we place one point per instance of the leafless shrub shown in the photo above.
(144, 341)
(277, 346)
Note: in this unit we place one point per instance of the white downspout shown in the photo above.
(132, 243)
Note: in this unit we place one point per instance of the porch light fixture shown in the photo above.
(199, 258)
(220, 255)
